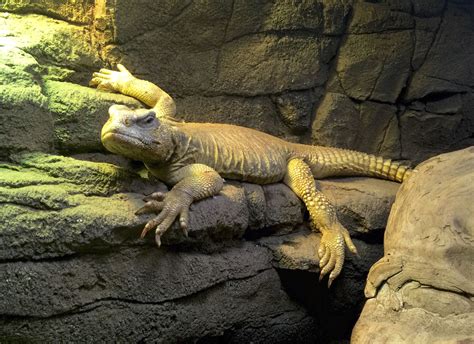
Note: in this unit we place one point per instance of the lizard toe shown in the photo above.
(150, 207)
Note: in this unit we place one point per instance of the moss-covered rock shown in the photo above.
(39, 109)
(69, 246)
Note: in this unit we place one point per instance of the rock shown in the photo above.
(363, 204)
(409, 290)
(447, 73)
(296, 109)
(256, 112)
(58, 203)
(272, 63)
(378, 18)
(137, 294)
(423, 134)
(265, 65)
(450, 104)
(295, 257)
(425, 33)
(392, 78)
(44, 195)
(41, 111)
(335, 16)
(70, 254)
(73, 11)
(375, 67)
(79, 114)
(370, 127)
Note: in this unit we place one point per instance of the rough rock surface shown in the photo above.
(73, 262)
(417, 297)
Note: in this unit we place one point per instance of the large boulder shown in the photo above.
(422, 290)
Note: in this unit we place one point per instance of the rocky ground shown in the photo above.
(75, 267)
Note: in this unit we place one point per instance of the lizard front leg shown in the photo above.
(193, 182)
(323, 217)
(124, 82)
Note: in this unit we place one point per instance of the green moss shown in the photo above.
(53, 205)
(79, 113)
(91, 178)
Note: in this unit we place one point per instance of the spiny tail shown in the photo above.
(341, 162)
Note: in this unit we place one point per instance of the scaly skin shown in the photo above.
(193, 158)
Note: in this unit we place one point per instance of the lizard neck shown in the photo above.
(181, 155)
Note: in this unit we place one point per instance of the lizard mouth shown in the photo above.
(117, 136)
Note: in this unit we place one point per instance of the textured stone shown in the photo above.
(363, 204)
(340, 122)
(279, 196)
(296, 109)
(249, 63)
(39, 55)
(394, 76)
(410, 290)
(378, 18)
(335, 16)
(423, 134)
(70, 254)
(255, 112)
(57, 204)
(295, 257)
(137, 294)
(442, 72)
(271, 64)
(70, 10)
(79, 114)
(375, 67)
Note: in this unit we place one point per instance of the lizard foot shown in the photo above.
(111, 80)
(332, 251)
(169, 205)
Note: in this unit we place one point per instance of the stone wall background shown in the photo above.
(387, 77)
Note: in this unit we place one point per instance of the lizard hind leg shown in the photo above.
(323, 217)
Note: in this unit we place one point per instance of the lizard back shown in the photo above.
(237, 152)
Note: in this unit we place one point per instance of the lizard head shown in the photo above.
(137, 134)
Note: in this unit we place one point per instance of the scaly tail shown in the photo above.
(331, 162)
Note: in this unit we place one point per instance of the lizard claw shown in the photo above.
(170, 206)
(332, 252)
(156, 196)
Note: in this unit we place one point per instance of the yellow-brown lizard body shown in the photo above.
(194, 157)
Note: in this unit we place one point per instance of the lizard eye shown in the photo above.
(148, 120)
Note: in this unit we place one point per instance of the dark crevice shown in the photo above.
(296, 33)
(31, 259)
(321, 303)
(34, 206)
(388, 31)
(438, 96)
